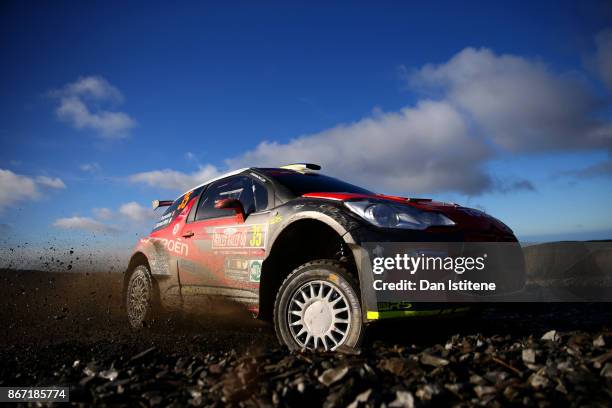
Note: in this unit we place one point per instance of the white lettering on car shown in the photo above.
(175, 246)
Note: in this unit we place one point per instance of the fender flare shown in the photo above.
(310, 215)
(326, 220)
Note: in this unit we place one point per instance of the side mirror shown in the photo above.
(230, 204)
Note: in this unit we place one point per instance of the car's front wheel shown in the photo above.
(318, 307)
(139, 301)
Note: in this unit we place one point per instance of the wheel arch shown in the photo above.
(138, 258)
(304, 238)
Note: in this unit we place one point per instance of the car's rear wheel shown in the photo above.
(318, 307)
(140, 298)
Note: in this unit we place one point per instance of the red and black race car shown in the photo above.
(284, 241)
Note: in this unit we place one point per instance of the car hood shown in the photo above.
(422, 203)
(466, 218)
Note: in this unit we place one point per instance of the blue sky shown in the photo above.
(105, 106)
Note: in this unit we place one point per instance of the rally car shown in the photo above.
(285, 243)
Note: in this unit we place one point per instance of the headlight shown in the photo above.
(397, 216)
(381, 215)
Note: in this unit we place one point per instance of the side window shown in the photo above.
(260, 193)
(239, 187)
(176, 207)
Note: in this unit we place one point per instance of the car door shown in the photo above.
(165, 248)
(227, 246)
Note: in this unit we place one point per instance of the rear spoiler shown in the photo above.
(161, 203)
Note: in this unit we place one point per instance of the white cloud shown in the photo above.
(94, 87)
(83, 223)
(16, 187)
(417, 149)
(111, 125)
(50, 182)
(486, 104)
(518, 104)
(476, 107)
(79, 106)
(90, 167)
(603, 56)
(103, 213)
(136, 212)
(173, 179)
(128, 212)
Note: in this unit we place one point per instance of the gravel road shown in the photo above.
(68, 329)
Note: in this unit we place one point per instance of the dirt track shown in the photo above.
(72, 312)
(69, 329)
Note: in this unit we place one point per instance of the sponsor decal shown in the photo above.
(256, 237)
(244, 236)
(167, 216)
(186, 198)
(237, 263)
(386, 306)
(255, 270)
(175, 229)
(237, 269)
(164, 220)
(161, 224)
(174, 246)
(276, 219)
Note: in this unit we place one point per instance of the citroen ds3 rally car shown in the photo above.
(284, 242)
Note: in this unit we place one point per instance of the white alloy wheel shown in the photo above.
(139, 295)
(319, 315)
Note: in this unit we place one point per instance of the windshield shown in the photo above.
(300, 183)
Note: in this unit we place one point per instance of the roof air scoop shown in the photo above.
(302, 167)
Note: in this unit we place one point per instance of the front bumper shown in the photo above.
(377, 307)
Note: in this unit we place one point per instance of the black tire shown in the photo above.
(335, 283)
(140, 298)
